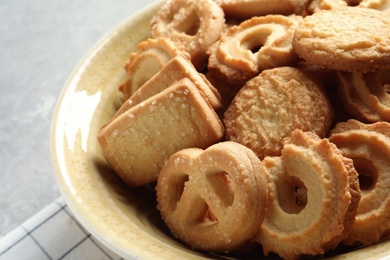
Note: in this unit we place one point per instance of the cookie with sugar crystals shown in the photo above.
(138, 142)
(270, 106)
(347, 39)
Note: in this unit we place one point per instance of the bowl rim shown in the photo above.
(57, 157)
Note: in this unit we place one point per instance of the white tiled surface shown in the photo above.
(53, 233)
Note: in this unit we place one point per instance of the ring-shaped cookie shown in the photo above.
(365, 95)
(213, 199)
(254, 45)
(196, 24)
(148, 60)
(368, 145)
(313, 198)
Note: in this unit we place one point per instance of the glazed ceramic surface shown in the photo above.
(125, 220)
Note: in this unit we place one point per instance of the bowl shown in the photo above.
(125, 220)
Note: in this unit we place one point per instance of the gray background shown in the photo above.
(41, 42)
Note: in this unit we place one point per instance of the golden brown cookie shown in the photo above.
(245, 9)
(318, 5)
(176, 69)
(365, 95)
(313, 198)
(347, 39)
(272, 105)
(254, 45)
(150, 57)
(382, 5)
(368, 145)
(213, 199)
(138, 141)
(196, 24)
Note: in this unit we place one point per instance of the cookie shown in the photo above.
(147, 61)
(368, 145)
(195, 24)
(254, 45)
(176, 69)
(272, 105)
(313, 198)
(203, 194)
(364, 95)
(246, 9)
(339, 40)
(138, 141)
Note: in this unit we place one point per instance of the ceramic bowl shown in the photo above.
(125, 220)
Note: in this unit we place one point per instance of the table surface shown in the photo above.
(41, 42)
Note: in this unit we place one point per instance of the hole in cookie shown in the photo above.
(189, 23)
(378, 83)
(384, 80)
(300, 194)
(353, 2)
(180, 184)
(292, 195)
(368, 174)
(222, 187)
(254, 47)
(208, 217)
(255, 41)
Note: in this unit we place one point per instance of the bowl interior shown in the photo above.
(125, 220)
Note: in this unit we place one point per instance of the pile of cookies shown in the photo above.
(261, 123)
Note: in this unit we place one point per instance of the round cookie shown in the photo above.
(348, 39)
(313, 198)
(368, 145)
(270, 106)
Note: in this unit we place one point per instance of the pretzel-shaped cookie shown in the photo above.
(256, 44)
(368, 145)
(213, 199)
(313, 198)
(196, 24)
(364, 95)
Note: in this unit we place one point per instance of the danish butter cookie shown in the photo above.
(150, 57)
(347, 39)
(368, 145)
(383, 5)
(176, 69)
(365, 95)
(138, 141)
(245, 9)
(318, 5)
(254, 45)
(313, 198)
(272, 105)
(196, 24)
(213, 199)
